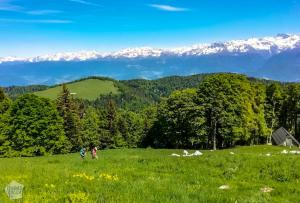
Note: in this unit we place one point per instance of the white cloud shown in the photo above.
(168, 8)
(48, 21)
(84, 2)
(43, 12)
(6, 5)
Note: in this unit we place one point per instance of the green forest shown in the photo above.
(212, 111)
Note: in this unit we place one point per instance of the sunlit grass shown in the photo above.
(148, 175)
(89, 89)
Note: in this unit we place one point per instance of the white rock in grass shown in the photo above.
(175, 155)
(284, 152)
(197, 153)
(266, 189)
(294, 152)
(224, 187)
(185, 152)
(268, 154)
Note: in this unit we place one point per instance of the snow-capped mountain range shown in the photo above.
(266, 45)
(276, 58)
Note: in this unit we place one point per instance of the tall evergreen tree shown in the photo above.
(106, 139)
(111, 115)
(5, 102)
(2, 95)
(68, 110)
(90, 128)
(150, 125)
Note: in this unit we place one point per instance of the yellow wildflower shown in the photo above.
(83, 175)
(78, 197)
(109, 177)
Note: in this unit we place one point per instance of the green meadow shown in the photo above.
(89, 89)
(149, 175)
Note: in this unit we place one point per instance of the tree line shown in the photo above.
(223, 111)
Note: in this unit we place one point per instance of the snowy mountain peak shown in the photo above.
(266, 45)
(138, 52)
(68, 56)
(270, 45)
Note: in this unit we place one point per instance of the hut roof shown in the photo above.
(280, 136)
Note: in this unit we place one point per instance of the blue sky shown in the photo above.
(37, 27)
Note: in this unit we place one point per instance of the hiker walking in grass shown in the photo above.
(94, 153)
(82, 153)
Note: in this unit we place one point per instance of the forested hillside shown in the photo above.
(163, 87)
(202, 111)
(129, 94)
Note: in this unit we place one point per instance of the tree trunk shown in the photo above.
(214, 136)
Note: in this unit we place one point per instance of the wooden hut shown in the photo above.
(284, 138)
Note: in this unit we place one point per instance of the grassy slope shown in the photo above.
(88, 89)
(146, 175)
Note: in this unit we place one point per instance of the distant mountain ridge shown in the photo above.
(266, 45)
(269, 57)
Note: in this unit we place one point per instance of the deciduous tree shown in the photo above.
(33, 127)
